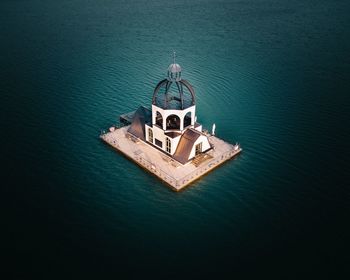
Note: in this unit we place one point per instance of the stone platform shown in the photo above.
(176, 175)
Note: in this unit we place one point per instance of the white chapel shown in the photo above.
(171, 126)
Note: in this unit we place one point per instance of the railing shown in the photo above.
(208, 165)
(189, 177)
(156, 170)
(177, 183)
(116, 126)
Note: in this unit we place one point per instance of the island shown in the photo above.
(166, 138)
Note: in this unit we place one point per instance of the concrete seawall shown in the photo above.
(174, 174)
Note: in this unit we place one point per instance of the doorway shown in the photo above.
(198, 149)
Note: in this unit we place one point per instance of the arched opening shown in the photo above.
(150, 135)
(173, 122)
(159, 120)
(168, 145)
(187, 119)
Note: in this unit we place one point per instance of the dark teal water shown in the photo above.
(273, 75)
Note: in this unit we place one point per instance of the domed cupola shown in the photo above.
(174, 92)
(174, 72)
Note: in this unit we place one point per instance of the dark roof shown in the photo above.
(141, 117)
(168, 91)
(172, 134)
(197, 124)
(185, 145)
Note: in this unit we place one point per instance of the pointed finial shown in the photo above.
(174, 70)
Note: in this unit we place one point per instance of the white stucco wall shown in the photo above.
(174, 143)
(199, 128)
(180, 113)
(159, 134)
(146, 132)
(205, 145)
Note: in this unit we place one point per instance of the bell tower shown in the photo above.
(173, 109)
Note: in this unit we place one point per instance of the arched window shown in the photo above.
(150, 135)
(198, 149)
(173, 122)
(187, 119)
(168, 145)
(159, 120)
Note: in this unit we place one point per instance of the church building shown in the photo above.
(171, 126)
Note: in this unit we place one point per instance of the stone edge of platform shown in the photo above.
(172, 187)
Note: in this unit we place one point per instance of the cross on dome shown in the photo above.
(174, 70)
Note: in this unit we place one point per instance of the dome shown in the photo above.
(174, 68)
(176, 94)
(174, 72)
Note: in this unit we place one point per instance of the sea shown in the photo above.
(273, 75)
